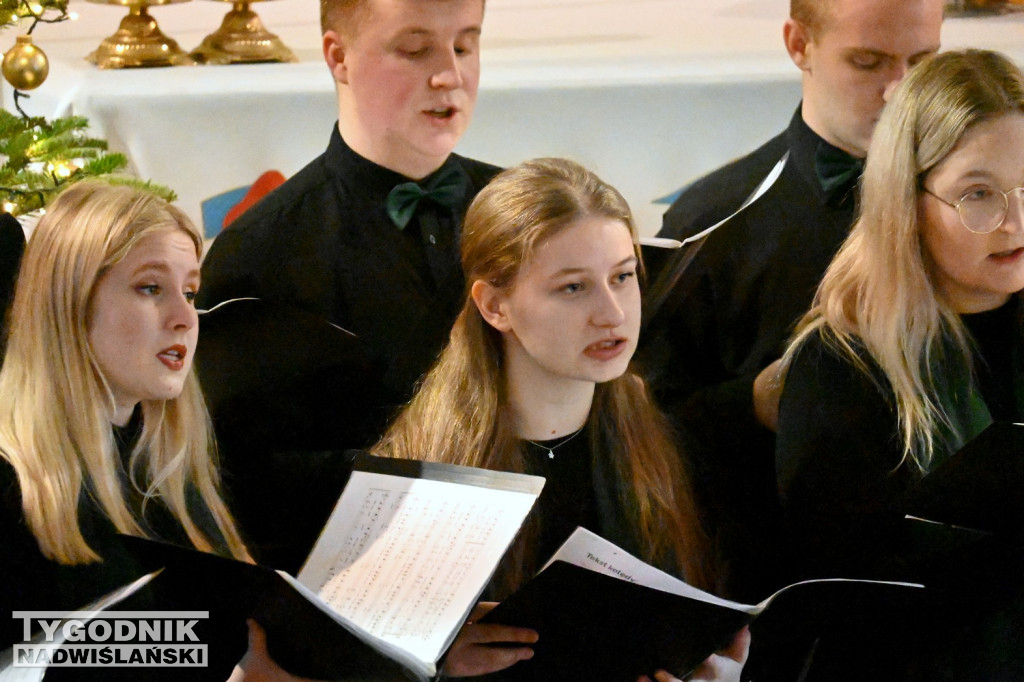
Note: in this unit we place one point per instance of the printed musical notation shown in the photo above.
(404, 558)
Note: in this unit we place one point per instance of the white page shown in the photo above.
(591, 551)
(588, 550)
(10, 673)
(764, 186)
(405, 558)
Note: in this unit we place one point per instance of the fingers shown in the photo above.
(480, 659)
(257, 636)
(481, 610)
(663, 676)
(471, 654)
(739, 647)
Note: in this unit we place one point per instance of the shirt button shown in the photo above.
(433, 239)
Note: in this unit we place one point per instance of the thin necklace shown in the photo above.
(551, 448)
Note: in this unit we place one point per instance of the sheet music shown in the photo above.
(592, 552)
(404, 558)
(762, 187)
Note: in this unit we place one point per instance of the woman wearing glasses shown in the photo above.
(914, 342)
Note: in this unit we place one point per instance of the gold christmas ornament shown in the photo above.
(25, 66)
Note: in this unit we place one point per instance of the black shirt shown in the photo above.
(728, 317)
(323, 242)
(31, 582)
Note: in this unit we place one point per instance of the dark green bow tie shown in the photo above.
(447, 189)
(835, 168)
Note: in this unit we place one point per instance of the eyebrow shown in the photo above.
(160, 267)
(974, 175)
(419, 31)
(872, 52)
(630, 260)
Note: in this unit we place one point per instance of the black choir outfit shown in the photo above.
(844, 485)
(729, 316)
(32, 582)
(323, 243)
(580, 489)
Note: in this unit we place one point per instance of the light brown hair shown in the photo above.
(461, 413)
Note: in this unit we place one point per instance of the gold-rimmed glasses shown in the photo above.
(982, 209)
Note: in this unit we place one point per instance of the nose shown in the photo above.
(608, 311)
(896, 75)
(181, 314)
(447, 74)
(1014, 220)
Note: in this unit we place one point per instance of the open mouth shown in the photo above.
(173, 356)
(606, 344)
(606, 349)
(441, 113)
(1008, 255)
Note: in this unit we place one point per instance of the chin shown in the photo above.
(610, 374)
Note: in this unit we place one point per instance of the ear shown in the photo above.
(796, 37)
(334, 55)
(490, 300)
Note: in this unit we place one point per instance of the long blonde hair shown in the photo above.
(879, 291)
(461, 412)
(55, 403)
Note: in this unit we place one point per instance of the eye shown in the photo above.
(148, 289)
(190, 296)
(573, 288)
(866, 62)
(978, 194)
(413, 51)
(624, 276)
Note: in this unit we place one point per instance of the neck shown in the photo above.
(967, 305)
(407, 163)
(122, 414)
(810, 118)
(544, 406)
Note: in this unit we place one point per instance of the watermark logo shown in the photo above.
(110, 639)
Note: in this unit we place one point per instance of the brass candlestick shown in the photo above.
(242, 39)
(138, 41)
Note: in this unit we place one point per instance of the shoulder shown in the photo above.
(714, 196)
(820, 362)
(834, 410)
(247, 257)
(284, 201)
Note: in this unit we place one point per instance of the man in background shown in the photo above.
(731, 312)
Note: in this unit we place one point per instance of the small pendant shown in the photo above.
(551, 454)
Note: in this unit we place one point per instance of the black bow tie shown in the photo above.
(447, 189)
(836, 169)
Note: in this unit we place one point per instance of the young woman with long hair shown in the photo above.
(103, 428)
(915, 341)
(536, 378)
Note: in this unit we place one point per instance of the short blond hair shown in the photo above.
(345, 16)
(813, 15)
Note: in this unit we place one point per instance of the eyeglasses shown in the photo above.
(983, 209)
